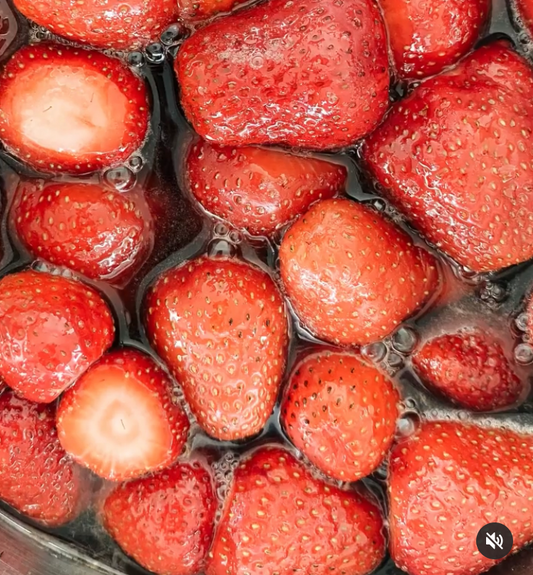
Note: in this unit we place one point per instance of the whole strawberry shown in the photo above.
(165, 521)
(470, 368)
(351, 275)
(220, 325)
(340, 413)
(446, 482)
(120, 418)
(455, 157)
(428, 35)
(257, 189)
(37, 477)
(307, 74)
(51, 330)
(103, 234)
(279, 517)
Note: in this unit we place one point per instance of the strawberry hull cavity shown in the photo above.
(304, 74)
(456, 158)
(70, 110)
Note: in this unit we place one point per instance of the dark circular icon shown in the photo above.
(494, 541)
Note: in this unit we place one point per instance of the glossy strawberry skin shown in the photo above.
(351, 275)
(220, 325)
(524, 11)
(455, 158)
(37, 477)
(279, 517)
(257, 189)
(88, 110)
(471, 369)
(103, 23)
(340, 413)
(51, 330)
(428, 35)
(165, 521)
(446, 482)
(129, 386)
(303, 74)
(194, 11)
(102, 234)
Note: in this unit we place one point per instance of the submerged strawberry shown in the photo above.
(340, 413)
(307, 74)
(446, 482)
(103, 234)
(258, 189)
(51, 330)
(165, 521)
(455, 157)
(220, 324)
(103, 23)
(279, 519)
(351, 275)
(524, 11)
(120, 418)
(37, 477)
(65, 109)
(192, 11)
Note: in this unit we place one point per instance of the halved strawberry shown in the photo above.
(258, 189)
(340, 413)
(103, 23)
(120, 418)
(103, 234)
(165, 521)
(351, 275)
(36, 476)
(221, 326)
(65, 109)
(51, 330)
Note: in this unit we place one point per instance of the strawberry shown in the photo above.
(103, 23)
(100, 233)
(221, 326)
(351, 275)
(192, 11)
(257, 189)
(446, 482)
(37, 478)
(428, 35)
(51, 330)
(308, 74)
(279, 519)
(71, 110)
(166, 521)
(120, 419)
(455, 157)
(524, 13)
(470, 368)
(340, 413)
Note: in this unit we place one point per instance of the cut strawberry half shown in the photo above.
(70, 110)
(119, 419)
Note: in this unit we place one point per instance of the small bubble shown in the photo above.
(521, 322)
(221, 230)
(121, 178)
(171, 35)
(410, 403)
(523, 354)
(395, 360)
(235, 237)
(493, 293)
(135, 163)
(407, 424)
(404, 340)
(136, 59)
(375, 351)
(155, 53)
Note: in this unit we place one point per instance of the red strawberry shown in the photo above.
(120, 419)
(279, 519)
(258, 189)
(340, 413)
(51, 330)
(71, 110)
(36, 476)
(220, 324)
(524, 11)
(103, 23)
(192, 11)
(103, 234)
(351, 275)
(471, 369)
(308, 74)
(166, 521)
(455, 157)
(428, 35)
(446, 482)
